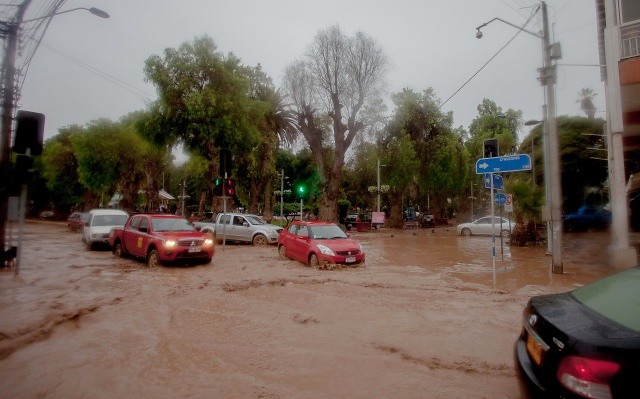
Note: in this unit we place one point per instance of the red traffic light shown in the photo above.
(230, 187)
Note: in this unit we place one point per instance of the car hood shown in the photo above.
(339, 245)
(181, 235)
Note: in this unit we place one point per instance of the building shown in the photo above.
(619, 43)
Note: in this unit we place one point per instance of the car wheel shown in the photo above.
(117, 250)
(260, 240)
(466, 232)
(506, 234)
(88, 244)
(282, 251)
(153, 260)
(313, 261)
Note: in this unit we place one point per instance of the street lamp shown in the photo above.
(95, 11)
(10, 33)
(551, 151)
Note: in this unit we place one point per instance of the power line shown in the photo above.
(487, 63)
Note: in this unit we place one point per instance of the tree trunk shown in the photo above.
(396, 218)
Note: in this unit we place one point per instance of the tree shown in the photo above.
(402, 163)
(337, 77)
(442, 169)
(586, 102)
(59, 166)
(204, 101)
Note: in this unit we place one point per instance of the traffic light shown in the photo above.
(490, 148)
(29, 133)
(217, 186)
(302, 191)
(230, 187)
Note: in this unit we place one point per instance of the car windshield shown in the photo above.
(109, 220)
(326, 232)
(171, 224)
(255, 220)
(615, 297)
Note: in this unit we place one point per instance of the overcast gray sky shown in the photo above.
(87, 67)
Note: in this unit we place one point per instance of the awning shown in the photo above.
(165, 195)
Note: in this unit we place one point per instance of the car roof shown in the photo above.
(314, 223)
(165, 216)
(108, 212)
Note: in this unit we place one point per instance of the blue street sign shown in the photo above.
(507, 163)
(497, 181)
(500, 199)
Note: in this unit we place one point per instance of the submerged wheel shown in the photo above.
(282, 251)
(260, 240)
(117, 250)
(313, 261)
(153, 260)
(466, 232)
(506, 234)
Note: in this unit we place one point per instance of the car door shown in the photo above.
(300, 243)
(483, 226)
(241, 228)
(135, 235)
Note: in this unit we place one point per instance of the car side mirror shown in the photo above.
(245, 224)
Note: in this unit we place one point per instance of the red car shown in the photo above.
(316, 243)
(161, 238)
(76, 220)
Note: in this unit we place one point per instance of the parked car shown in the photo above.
(161, 238)
(76, 220)
(427, 221)
(584, 343)
(482, 227)
(246, 227)
(587, 217)
(351, 220)
(99, 224)
(314, 243)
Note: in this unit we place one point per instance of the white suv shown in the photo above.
(99, 224)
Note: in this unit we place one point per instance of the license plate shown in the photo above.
(350, 259)
(195, 249)
(534, 349)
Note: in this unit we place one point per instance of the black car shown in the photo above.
(584, 343)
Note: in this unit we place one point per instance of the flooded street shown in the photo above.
(421, 319)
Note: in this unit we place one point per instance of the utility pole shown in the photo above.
(8, 103)
(548, 80)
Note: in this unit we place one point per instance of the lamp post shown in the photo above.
(10, 32)
(551, 150)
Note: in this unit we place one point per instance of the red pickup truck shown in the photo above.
(161, 238)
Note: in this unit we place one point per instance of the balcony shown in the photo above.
(630, 40)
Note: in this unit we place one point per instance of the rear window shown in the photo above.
(615, 297)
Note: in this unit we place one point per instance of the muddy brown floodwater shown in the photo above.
(422, 319)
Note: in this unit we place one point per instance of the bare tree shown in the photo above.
(337, 77)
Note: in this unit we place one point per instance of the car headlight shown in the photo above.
(208, 242)
(170, 243)
(326, 250)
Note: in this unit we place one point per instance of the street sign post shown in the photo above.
(497, 181)
(507, 163)
(508, 206)
(500, 199)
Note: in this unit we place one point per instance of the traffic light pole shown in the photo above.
(224, 212)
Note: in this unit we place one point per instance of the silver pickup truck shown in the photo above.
(241, 227)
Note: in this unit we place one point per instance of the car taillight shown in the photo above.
(587, 377)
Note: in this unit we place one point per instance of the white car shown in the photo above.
(482, 227)
(99, 224)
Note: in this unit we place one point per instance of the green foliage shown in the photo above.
(59, 167)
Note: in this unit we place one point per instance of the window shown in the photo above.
(629, 11)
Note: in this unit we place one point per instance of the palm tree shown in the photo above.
(281, 130)
(586, 102)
